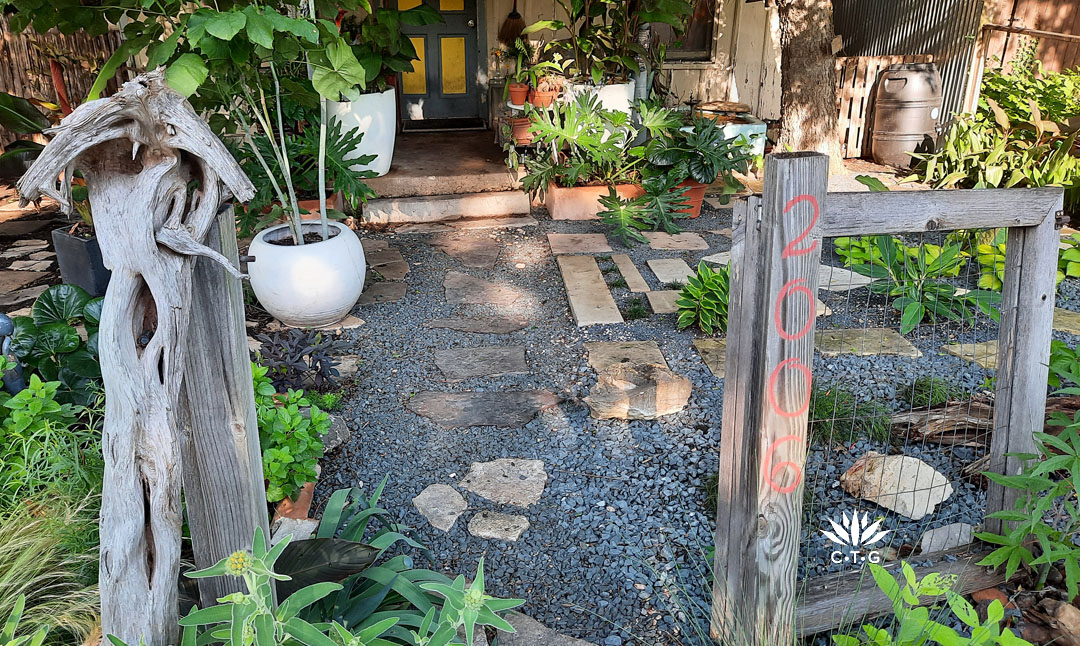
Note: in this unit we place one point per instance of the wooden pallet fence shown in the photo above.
(856, 78)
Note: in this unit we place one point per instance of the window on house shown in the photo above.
(696, 43)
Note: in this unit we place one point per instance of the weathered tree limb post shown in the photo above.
(140, 151)
(774, 272)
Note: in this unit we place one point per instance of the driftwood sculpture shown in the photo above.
(157, 178)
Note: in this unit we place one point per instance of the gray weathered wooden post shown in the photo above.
(157, 178)
(1027, 315)
(774, 270)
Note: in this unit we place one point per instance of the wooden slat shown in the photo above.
(854, 214)
(763, 446)
(1027, 314)
(847, 599)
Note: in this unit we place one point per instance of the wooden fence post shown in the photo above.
(774, 272)
(222, 462)
(1027, 314)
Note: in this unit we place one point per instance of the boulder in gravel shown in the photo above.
(900, 483)
(508, 481)
(531, 632)
(337, 434)
(498, 527)
(502, 408)
(300, 529)
(441, 505)
(944, 538)
(626, 391)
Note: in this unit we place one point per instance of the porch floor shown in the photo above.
(445, 163)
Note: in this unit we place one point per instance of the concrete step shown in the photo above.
(443, 208)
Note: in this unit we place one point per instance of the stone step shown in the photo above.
(634, 280)
(590, 299)
(445, 208)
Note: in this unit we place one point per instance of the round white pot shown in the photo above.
(308, 285)
(376, 116)
(619, 96)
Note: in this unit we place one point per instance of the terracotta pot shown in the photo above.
(333, 201)
(695, 194)
(299, 508)
(520, 128)
(519, 93)
(583, 202)
(542, 99)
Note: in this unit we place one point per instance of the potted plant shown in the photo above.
(517, 86)
(77, 250)
(384, 52)
(695, 155)
(547, 89)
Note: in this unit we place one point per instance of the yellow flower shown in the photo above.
(238, 563)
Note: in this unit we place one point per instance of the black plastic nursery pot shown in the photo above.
(80, 262)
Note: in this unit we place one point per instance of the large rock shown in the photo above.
(531, 632)
(441, 505)
(627, 391)
(901, 483)
(496, 361)
(502, 408)
(944, 538)
(463, 289)
(498, 527)
(507, 481)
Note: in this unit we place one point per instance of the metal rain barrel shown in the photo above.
(907, 105)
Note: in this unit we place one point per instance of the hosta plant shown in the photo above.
(703, 302)
(1069, 258)
(857, 251)
(1064, 364)
(991, 257)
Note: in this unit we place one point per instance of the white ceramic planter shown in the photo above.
(309, 285)
(619, 96)
(376, 116)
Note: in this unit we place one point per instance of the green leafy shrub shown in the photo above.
(699, 152)
(1064, 364)
(627, 217)
(991, 258)
(1055, 94)
(857, 251)
(290, 434)
(911, 274)
(703, 302)
(914, 627)
(1046, 509)
(48, 342)
(1069, 258)
(836, 415)
(929, 391)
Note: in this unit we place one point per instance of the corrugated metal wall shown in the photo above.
(942, 28)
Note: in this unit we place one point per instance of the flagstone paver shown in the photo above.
(504, 408)
(31, 243)
(507, 481)
(382, 292)
(371, 245)
(679, 241)
(15, 297)
(565, 243)
(463, 289)
(604, 354)
(1066, 321)
(671, 270)
(350, 322)
(481, 324)
(479, 253)
(13, 280)
(19, 228)
(663, 302)
(714, 353)
(985, 354)
(634, 281)
(495, 361)
(42, 255)
(721, 232)
(714, 202)
(838, 279)
(441, 505)
(498, 527)
(389, 263)
(30, 265)
(864, 342)
(590, 299)
(422, 228)
(719, 258)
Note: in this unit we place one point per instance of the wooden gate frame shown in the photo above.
(774, 259)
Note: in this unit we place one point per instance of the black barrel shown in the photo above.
(907, 105)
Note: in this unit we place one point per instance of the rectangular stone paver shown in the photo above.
(383, 292)
(590, 299)
(838, 279)
(604, 354)
(719, 258)
(714, 353)
(494, 361)
(663, 302)
(502, 408)
(1066, 321)
(630, 273)
(671, 270)
(985, 354)
(562, 243)
(463, 289)
(864, 342)
(678, 241)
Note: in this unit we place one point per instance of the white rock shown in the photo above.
(944, 538)
(901, 483)
(299, 528)
(441, 505)
(499, 527)
(508, 481)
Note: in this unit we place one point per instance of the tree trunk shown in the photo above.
(808, 112)
(150, 227)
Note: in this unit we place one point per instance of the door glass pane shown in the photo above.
(408, 4)
(415, 82)
(452, 5)
(453, 65)
(696, 43)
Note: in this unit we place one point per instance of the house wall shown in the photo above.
(1061, 16)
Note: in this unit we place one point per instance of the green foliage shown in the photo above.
(468, 607)
(703, 302)
(664, 201)
(911, 274)
(380, 47)
(20, 116)
(1064, 364)
(1069, 258)
(991, 258)
(1046, 509)
(874, 184)
(836, 415)
(290, 434)
(627, 217)
(912, 624)
(929, 391)
(11, 627)
(48, 342)
(699, 152)
(328, 401)
(857, 251)
(1056, 95)
(635, 310)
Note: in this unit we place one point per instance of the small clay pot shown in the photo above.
(520, 129)
(299, 508)
(543, 99)
(519, 93)
(695, 195)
